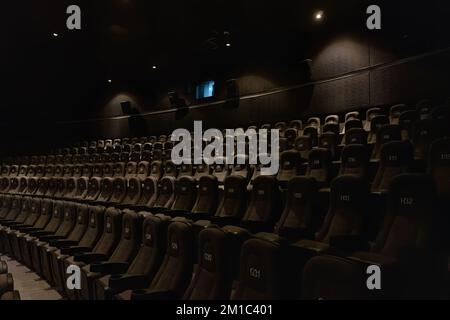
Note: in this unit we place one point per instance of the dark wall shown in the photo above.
(349, 72)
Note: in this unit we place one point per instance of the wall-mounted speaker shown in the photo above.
(126, 107)
(175, 100)
(232, 89)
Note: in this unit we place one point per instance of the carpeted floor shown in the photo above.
(28, 283)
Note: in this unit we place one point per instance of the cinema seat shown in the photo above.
(404, 250)
(39, 245)
(31, 221)
(353, 130)
(395, 112)
(290, 166)
(119, 186)
(119, 260)
(328, 141)
(385, 134)
(303, 144)
(343, 225)
(439, 166)
(66, 249)
(157, 170)
(185, 194)
(144, 266)
(424, 132)
(100, 252)
(212, 279)
(319, 164)
(263, 272)
(354, 161)
(395, 158)
(23, 238)
(166, 194)
(313, 133)
(264, 207)
(93, 189)
(406, 121)
(207, 198)
(376, 123)
(149, 193)
(106, 190)
(81, 212)
(175, 273)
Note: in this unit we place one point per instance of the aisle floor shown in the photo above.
(28, 283)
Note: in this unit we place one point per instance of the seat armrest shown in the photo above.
(154, 295)
(75, 249)
(50, 237)
(349, 243)
(124, 282)
(109, 267)
(39, 233)
(90, 257)
(21, 227)
(30, 229)
(59, 243)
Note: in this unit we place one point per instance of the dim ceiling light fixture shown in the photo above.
(154, 67)
(55, 34)
(318, 15)
(109, 81)
(228, 44)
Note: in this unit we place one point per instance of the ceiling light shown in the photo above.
(318, 16)
(55, 34)
(154, 67)
(228, 44)
(109, 81)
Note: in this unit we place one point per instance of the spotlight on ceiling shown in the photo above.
(318, 15)
(228, 44)
(154, 67)
(55, 34)
(109, 81)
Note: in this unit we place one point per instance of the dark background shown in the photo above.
(56, 89)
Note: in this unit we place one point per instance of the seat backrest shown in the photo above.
(108, 170)
(406, 121)
(354, 160)
(386, 134)
(69, 219)
(170, 169)
(313, 133)
(106, 189)
(119, 186)
(345, 215)
(166, 192)
(439, 166)
(149, 192)
(176, 270)
(81, 188)
(111, 232)
(93, 189)
(290, 163)
(70, 188)
(351, 115)
(355, 136)
(331, 127)
(234, 200)
(156, 170)
(333, 118)
(81, 222)
(201, 170)
(153, 247)
(395, 111)
(35, 210)
(207, 195)
(376, 123)
(133, 191)
(16, 207)
(424, 132)
(212, 278)
(96, 221)
(24, 211)
(409, 215)
(319, 163)
(143, 170)
(395, 158)
(57, 216)
(45, 207)
(262, 269)
(297, 219)
(297, 124)
(328, 141)
(130, 239)
(264, 207)
(119, 169)
(185, 194)
(186, 170)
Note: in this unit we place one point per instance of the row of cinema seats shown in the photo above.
(331, 133)
(151, 254)
(308, 218)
